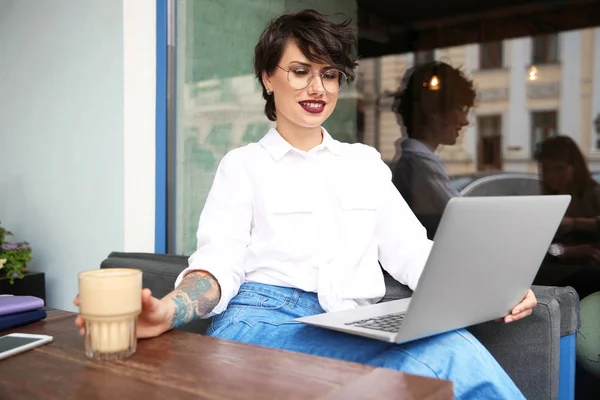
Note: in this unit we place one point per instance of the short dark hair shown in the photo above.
(416, 102)
(318, 37)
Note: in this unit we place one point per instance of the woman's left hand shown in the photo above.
(523, 309)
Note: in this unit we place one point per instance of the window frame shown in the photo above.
(494, 123)
(491, 55)
(553, 128)
(544, 44)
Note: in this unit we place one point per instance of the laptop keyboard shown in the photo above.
(387, 323)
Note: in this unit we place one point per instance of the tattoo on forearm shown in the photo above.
(183, 310)
(195, 297)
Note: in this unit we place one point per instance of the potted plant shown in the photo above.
(14, 257)
(3, 234)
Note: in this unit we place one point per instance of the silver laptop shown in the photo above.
(486, 253)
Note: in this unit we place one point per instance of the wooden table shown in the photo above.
(181, 365)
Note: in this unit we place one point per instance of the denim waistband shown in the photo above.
(294, 297)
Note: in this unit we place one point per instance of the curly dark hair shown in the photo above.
(318, 37)
(416, 102)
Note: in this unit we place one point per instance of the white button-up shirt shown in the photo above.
(319, 221)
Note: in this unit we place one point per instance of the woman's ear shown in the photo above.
(266, 80)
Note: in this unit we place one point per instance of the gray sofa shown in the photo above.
(529, 350)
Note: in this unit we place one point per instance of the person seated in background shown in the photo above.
(432, 108)
(574, 256)
(563, 170)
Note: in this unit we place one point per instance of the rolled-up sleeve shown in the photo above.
(402, 239)
(224, 229)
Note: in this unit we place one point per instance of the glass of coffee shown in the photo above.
(110, 301)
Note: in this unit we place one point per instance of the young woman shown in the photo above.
(295, 225)
(563, 170)
(430, 116)
(574, 256)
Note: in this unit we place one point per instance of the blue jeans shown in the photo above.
(264, 315)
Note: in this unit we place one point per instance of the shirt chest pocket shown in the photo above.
(290, 218)
(358, 212)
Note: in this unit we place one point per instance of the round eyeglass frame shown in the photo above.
(343, 79)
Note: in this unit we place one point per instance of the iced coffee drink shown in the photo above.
(110, 301)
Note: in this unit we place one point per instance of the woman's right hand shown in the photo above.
(153, 321)
(582, 253)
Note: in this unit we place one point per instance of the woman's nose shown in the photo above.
(316, 85)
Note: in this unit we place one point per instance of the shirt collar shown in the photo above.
(278, 147)
(416, 146)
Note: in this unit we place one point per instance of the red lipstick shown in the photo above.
(313, 106)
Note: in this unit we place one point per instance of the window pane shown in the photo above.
(539, 50)
(543, 127)
(220, 107)
(489, 125)
(553, 48)
(219, 104)
(490, 55)
(425, 56)
(545, 49)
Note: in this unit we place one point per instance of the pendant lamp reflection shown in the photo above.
(532, 74)
(434, 83)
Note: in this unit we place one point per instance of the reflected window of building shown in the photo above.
(219, 137)
(597, 130)
(489, 130)
(543, 126)
(545, 49)
(254, 132)
(424, 57)
(490, 55)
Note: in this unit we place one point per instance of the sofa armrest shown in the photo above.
(169, 260)
(529, 349)
(159, 272)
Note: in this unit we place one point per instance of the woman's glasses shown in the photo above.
(300, 77)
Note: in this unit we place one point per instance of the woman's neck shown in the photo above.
(300, 138)
(428, 137)
(431, 143)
